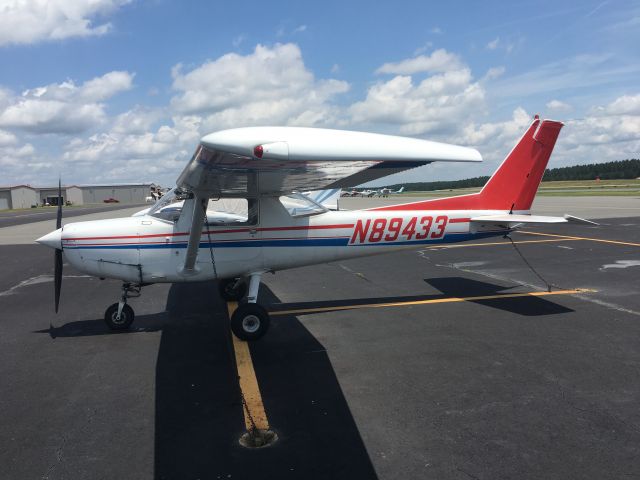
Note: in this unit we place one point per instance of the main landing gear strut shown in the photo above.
(120, 316)
(249, 321)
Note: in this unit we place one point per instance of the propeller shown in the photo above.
(57, 272)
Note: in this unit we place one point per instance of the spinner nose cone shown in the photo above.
(53, 239)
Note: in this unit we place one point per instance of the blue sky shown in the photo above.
(120, 91)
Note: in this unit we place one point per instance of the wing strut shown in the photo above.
(196, 207)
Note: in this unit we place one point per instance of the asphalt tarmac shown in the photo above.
(21, 217)
(496, 386)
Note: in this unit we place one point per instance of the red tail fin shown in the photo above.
(514, 185)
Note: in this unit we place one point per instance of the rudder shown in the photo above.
(514, 185)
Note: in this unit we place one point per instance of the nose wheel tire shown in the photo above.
(249, 322)
(229, 290)
(122, 323)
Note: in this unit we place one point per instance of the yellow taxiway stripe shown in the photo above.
(248, 382)
(427, 302)
(567, 237)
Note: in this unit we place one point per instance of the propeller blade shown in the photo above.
(57, 276)
(59, 217)
(57, 272)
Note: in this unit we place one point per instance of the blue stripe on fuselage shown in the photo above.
(302, 242)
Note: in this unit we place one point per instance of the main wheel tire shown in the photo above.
(249, 322)
(126, 317)
(227, 290)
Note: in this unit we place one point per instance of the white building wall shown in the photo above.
(23, 197)
(74, 195)
(122, 193)
(5, 199)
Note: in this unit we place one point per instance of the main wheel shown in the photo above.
(126, 317)
(229, 290)
(249, 322)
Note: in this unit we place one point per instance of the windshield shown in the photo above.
(299, 205)
(173, 196)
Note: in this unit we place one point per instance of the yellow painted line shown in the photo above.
(428, 302)
(615, 242)
(248, 381)
(464, 245)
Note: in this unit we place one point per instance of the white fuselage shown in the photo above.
(147, 249)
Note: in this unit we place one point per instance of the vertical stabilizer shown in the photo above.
(514, 185)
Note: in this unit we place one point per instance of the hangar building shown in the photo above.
(26, 196)
(18, 196)
(123, 192)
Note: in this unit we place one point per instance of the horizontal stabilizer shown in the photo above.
(511, 221)
(519, 219)
(572, 219)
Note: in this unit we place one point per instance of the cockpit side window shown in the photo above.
(232, 211)
(220, 211)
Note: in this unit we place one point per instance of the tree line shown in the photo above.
(620, 169)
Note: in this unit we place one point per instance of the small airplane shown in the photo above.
(368, 193)
(270, 226)
(350, 193)
(385, 192)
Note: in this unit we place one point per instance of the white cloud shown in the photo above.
(63, 107)
(270, 85)
(493, 44)
(15, 159)
(30, 21)
(439, 61)
(496, 134)
(238, 40)
(300, 29)
(625, 105)
(493, 73)
(566, 76)
(422, 49)
(557, 106)
(106, 86)
(7, 138)
(51, 116)
(436, 97)
(437, 104)
(436, 31)
(136, 121)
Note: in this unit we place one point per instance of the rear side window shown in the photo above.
(299, 205)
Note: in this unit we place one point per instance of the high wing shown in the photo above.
(257, 161)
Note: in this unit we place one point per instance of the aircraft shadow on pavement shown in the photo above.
(450, 287)
(87, 328)
(199, 414)
(467, 287)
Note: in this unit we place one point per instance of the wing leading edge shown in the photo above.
(257, 161)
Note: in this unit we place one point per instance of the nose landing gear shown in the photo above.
(120, 316)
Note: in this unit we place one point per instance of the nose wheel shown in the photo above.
(120, 316)
(119, 322)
